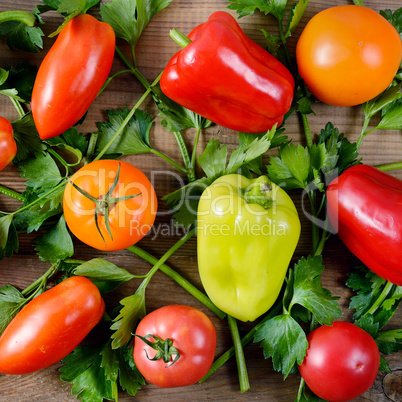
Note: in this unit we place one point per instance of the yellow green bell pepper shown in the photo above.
(247, 232)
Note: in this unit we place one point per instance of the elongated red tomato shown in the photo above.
(193, 336)
(8, 147)
(342, 361)
(50, 326)
(348, 55)
(71, 74)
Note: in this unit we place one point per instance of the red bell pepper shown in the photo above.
(365, 205)
(227, 78)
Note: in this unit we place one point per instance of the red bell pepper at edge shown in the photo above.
(366, 205)
(227, 78)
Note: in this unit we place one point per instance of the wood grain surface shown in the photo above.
(153, 51)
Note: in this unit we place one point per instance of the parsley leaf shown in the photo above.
(176, 117)
(27, 138)
(370, 288)
(83, 369)
(11, 301)
(71, 141)
(134, 139)
(103, 273)
(129, 18)
(296, 13)
(22, 36)
(55, 244)
(8, 236)
(42, 172)
(309, 293)
(282, 337)
(133, 309)
(246, 7)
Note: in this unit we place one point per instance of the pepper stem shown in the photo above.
(259, 192)
(179, 37)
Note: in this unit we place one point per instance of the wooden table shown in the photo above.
(153, 51)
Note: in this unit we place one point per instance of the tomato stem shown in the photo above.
(239, 354)
(184, 283)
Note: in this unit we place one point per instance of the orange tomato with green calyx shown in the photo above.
(109, 204)
(348, 55)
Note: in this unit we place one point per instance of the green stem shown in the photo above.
(20, 16)
(390, 166)
(184, 283)
(239, 353)
(11, 193)
(127, 119)
(93, 139)
(194, 153)
(107, 82)
(307, 130)
(165, 256)
(38, 201)
(181, 39)
(244, 341)
(60, 159)
(18, 106)
(169, 160)
(283, 40)
(380, 299)
(363, 132)
(40, 284)
(315, 228)
(358, 3)
(133, 67)
(185, 154)
(301, 388)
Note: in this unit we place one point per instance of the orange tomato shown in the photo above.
(348, 55)
(125, 208)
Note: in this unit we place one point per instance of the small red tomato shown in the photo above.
(341, 363)
(8, 147)
(50, 326)
(190, 332)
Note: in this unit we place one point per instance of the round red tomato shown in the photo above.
(192, 334)
(8, 147)
(71, 75)
(347, 55)
(125, 209)
(50, 326)
(341, 363)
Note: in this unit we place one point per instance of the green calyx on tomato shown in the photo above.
(164, 348)
(105, 202)
(120, 210)
(247, 231)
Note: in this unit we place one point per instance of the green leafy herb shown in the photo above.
(128, 18)
(133, 309)
(11, 301)
(55, 244)
(134, 139)
(103, 273)
(282, 337)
